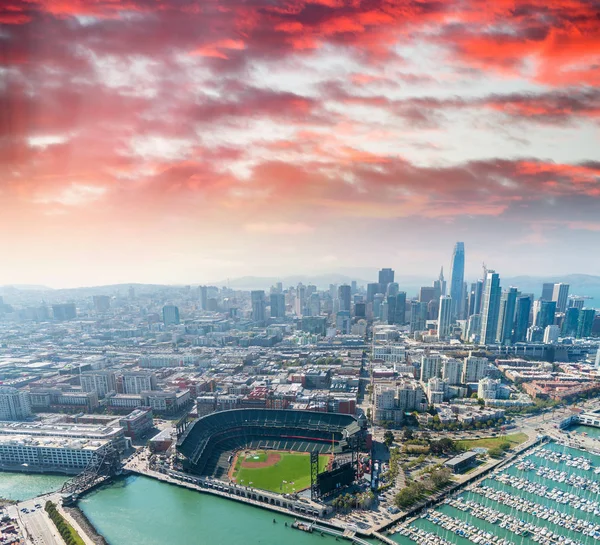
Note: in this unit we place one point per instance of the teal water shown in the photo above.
(24, 486)
(143, 511)
(590, 430)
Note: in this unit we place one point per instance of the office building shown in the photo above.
(490, 308)
(170, 315)
(551, 334)
(547, 291)
(546, 310)
(386, 276)
(300, 300)
(427, 293)
(585, 323)
(506, 316)
(14, 404)
(474, 369)
(560, 295)
(372, 289)
(137, 423)
(314, 304)
(100, 382)
(475, 296)
(418, 316)
(523, 311)
(431, 366)
(101, 303)
(400, 308)
(598, 358)
(203, 297)
(345, 297)
(136, 382)
(577, 302)
(343, 322)
(445, 317)
(392, 289)
(570, 322)
(64, 312)
(277, 301)
(257, 299)
(440, 285)
(457, 278)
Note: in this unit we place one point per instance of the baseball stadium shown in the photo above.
(270, 449)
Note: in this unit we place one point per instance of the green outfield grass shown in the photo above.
(294, 468)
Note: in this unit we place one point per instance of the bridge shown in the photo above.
(104, 464)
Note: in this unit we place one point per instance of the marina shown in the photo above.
(548, 496)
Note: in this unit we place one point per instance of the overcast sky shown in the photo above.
(175, 141)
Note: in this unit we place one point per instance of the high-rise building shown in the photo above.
(170, 315)
(560, 295)
(473, 327)
(522, 319)
(257, 298)
(546, 310)
(391, 309)
(444, 317)
(400, 310)
(314, 304)
(452, 370)
(551, 334)
(300, 301)
(427, 293)
(418, 316)
(490, 308)
(598, 358)
(577, 302)
(431, 366)
(474, 369)
(100, 382)
(392, 289)
(64, 311)
(478, 296)
(570, 322)
(277, 301)
(203, 297)
(372, 289)
(547, 291)
(345, 297)
(457, 278)
(440, 285)
(506, 316)
(586, 322)
(386, 276)
(14, 404)
(343, 322)
(101, 303)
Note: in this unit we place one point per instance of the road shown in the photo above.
(39, 529)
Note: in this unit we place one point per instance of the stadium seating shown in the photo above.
(207, 442)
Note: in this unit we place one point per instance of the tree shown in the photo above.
(408, 434)
(388, 438)
(368, 413)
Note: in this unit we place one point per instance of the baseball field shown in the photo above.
(277, 471)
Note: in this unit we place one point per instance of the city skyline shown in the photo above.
(174, 143)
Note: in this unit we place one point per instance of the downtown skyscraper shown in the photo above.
(490, 308)
(457, 279)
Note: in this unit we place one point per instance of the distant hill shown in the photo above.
(25, 287)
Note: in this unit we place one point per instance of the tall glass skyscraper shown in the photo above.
(490, 308)
(457, 278)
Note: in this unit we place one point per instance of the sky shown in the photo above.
(173, 141)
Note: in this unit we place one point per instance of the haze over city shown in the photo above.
(187, 142)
